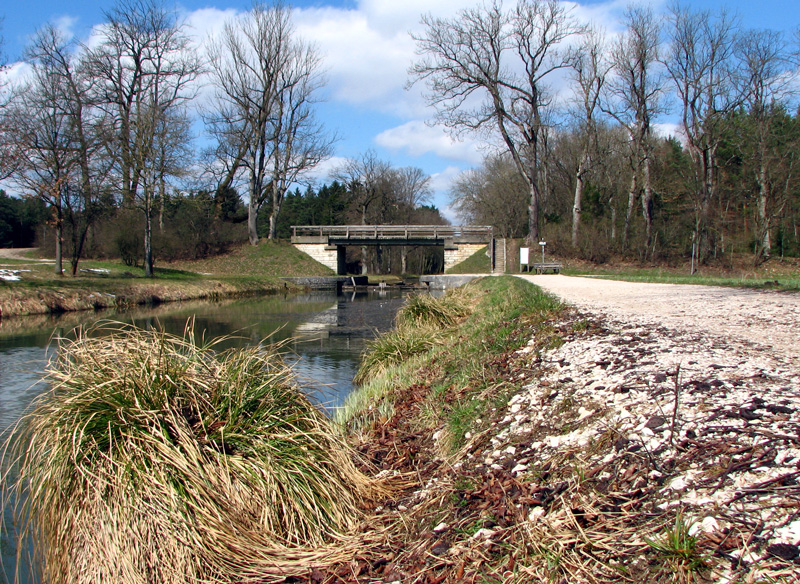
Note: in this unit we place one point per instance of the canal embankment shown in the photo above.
(246, 271)
(519, 439)
(550, 444)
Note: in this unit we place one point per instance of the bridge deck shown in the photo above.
(393, 232)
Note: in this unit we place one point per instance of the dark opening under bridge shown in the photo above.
(327, 243)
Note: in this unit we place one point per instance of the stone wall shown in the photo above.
(327, 255)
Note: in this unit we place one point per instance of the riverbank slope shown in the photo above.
(248, 270)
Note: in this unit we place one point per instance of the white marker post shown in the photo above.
(542, 243)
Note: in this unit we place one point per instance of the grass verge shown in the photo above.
(155, 458)
(452, 348)
(775, 274)
(246, 270)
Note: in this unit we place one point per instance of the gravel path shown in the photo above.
(763, 321)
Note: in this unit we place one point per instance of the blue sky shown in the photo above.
(367, 50)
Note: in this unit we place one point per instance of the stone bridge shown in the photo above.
(327, 243)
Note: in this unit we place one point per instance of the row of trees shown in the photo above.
(106, 127)
(107, 124)
(493, 71)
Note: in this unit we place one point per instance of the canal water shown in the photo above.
(322, 334)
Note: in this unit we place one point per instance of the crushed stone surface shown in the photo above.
(688, 397)
(759, 321)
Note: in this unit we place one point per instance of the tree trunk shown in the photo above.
(148, 243)
(252, 228)
(647, 202)
(577, 204)
(59, 267)
(533, 213)
(632, 195)
(764, 239)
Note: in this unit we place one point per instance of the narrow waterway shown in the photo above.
(322, 335)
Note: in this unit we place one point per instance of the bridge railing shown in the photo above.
(393, 231)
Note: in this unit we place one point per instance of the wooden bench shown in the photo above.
(554, 267)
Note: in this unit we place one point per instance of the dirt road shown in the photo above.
(768, 322)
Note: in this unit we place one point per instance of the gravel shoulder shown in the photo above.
(678, 398)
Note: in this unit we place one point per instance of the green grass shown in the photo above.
(158, 458)
(679, 548)
(504, 313)
(477, 263)
(268, 259)
(246, 270)
(780, 278)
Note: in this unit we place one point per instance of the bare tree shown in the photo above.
(57, 138)
(7, 157)
(634, 94)
(145, 68)
(768, 74)
(699, 62)
(489, 70)
(367, 179)
(492, 195)
(263, 117)
(590, 71)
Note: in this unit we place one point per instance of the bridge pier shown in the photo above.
(332, 256)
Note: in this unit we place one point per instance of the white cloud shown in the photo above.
(668, 130)
(441, 181)
(365, 66)
(417, 139)
(66, 25)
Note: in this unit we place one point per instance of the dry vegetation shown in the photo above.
(524, 442)
(154, 458)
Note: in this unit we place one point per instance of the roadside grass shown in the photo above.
(461, 366)
(773, 275)
(159, 458)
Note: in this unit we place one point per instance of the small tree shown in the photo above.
(768, 74)
(633, 99)
(699, 62)
(145, 68)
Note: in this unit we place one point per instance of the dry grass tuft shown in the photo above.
(154, 458)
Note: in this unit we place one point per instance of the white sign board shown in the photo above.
(523, 256)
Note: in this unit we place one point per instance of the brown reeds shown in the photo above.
(154, 458)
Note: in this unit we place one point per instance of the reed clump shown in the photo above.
(420, 325)
(426, 310)
(155, 458)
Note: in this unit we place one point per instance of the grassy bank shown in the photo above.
(773, 275)
(108, 284)
(452, 351)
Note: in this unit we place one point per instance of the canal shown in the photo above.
(322, 335)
